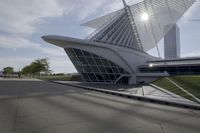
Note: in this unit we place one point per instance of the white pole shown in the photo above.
(124, 2)
(158, 51)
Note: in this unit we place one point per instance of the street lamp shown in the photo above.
(150, 65)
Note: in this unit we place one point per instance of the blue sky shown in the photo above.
(23, 22)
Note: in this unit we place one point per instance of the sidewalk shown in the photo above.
(17, 79)
(146, 91)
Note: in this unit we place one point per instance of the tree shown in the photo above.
(8, 70)
(26, 70)
(37, 67)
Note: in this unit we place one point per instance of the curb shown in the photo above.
(134, 97)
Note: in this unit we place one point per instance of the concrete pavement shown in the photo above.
(18, 79)
(42, 107)
(150, 91)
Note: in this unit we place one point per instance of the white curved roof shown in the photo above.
(160, 12)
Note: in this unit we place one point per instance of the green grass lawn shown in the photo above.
(189, 83)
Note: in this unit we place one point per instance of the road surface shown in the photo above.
(43, 107)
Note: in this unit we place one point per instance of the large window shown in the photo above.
(94, 68)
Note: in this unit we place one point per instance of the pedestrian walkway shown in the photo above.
(17, 79)
(146, 91)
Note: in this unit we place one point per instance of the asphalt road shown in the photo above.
(42, 107)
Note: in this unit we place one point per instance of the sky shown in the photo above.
(23, 22)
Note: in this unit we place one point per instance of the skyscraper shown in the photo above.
(172, 41)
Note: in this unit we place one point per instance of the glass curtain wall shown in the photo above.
(94, 68)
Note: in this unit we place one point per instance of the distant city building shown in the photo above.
(1, 73)
(172, 42)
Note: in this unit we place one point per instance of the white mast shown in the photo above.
(124, 2)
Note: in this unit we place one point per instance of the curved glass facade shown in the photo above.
(94, 68)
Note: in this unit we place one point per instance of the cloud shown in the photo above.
(15, 42)
(21, 16)
(56, 51)
(195, 53)
(87, 7)
(22, 43)
(189, 13)
(60, 65)
(20, 19)
(16, 62)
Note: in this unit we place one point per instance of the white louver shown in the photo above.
(160, 14)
